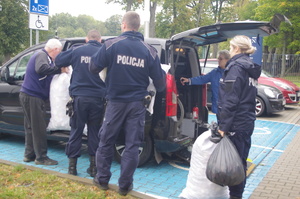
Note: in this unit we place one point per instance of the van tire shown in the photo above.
(145, 151)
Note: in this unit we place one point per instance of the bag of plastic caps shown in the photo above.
(197, 185)
(59, 97)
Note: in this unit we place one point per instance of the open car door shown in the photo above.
(220, 32)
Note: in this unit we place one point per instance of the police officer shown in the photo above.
(236, 101)
(130, 62)
(88, 92)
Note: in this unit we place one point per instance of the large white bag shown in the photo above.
(197, 185)
(59, 96)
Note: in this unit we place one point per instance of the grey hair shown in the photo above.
(225, 54)
(243, 43)
(52, 44)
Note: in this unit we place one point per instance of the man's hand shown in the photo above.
(184, 80)
(64, 69)
(222, 133)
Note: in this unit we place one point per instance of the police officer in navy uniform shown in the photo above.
(130, 62)
(236, 103)
(88, 92)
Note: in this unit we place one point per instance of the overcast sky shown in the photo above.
(95, 8)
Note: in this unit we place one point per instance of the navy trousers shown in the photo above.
(130, 116)
(87, 110)
(242, 142)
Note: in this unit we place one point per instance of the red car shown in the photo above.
(268, 100)
(290, 91)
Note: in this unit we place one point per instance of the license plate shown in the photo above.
(298, 94)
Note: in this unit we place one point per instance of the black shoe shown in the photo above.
(26, 159)
(124, 192)
(72, 166)
(102, 186)
(234, 197)
(46, 161)
(92, 171)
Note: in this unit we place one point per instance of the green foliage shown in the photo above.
(13, 26)
(113, 25)
(67, 25)
(247, 11)
(175, 17)
(127, 4)
(289, 33)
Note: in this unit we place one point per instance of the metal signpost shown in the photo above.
(38, 17)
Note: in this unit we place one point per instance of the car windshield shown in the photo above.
(209, 66)
(265, 74)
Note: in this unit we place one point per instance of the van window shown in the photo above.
(21, 69)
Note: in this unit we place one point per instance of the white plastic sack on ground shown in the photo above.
(59, 96)
(197, 185)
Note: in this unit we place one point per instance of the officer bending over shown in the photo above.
(130, 62)
(87, 91)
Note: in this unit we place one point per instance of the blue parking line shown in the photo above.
(168, 179)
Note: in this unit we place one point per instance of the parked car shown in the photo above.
(177, 111)
(290, 91)
(269, 99)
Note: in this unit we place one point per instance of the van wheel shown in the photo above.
(260, 107)
(145, 151)
(181, 112)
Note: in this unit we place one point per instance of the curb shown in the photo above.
(75, 178)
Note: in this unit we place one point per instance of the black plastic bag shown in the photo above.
(225, 167)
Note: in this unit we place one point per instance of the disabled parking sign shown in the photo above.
(38, 17)
(38, 22)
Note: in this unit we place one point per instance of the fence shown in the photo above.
(285, 66)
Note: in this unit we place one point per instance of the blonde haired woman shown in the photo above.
(236, 103)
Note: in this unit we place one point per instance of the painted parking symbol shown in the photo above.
(263, 130)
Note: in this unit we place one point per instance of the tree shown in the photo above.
(127, 4)
(288, 33)
(14, 32)
(67, 25)
(112, 25)
(287, 41)
(175, 17)
(245, 9)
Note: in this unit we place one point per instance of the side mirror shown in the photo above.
(4, 74)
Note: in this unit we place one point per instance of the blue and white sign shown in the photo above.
(39, 6)
(38, 22)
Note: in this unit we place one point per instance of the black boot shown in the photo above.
(92, 170)
(72, 166)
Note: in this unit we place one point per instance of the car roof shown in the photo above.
(220, 32)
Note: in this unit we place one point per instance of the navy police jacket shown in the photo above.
(237, 92)
(83, 82)
(130, 62)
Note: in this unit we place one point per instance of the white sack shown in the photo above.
(197, 185)
(59, 96)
